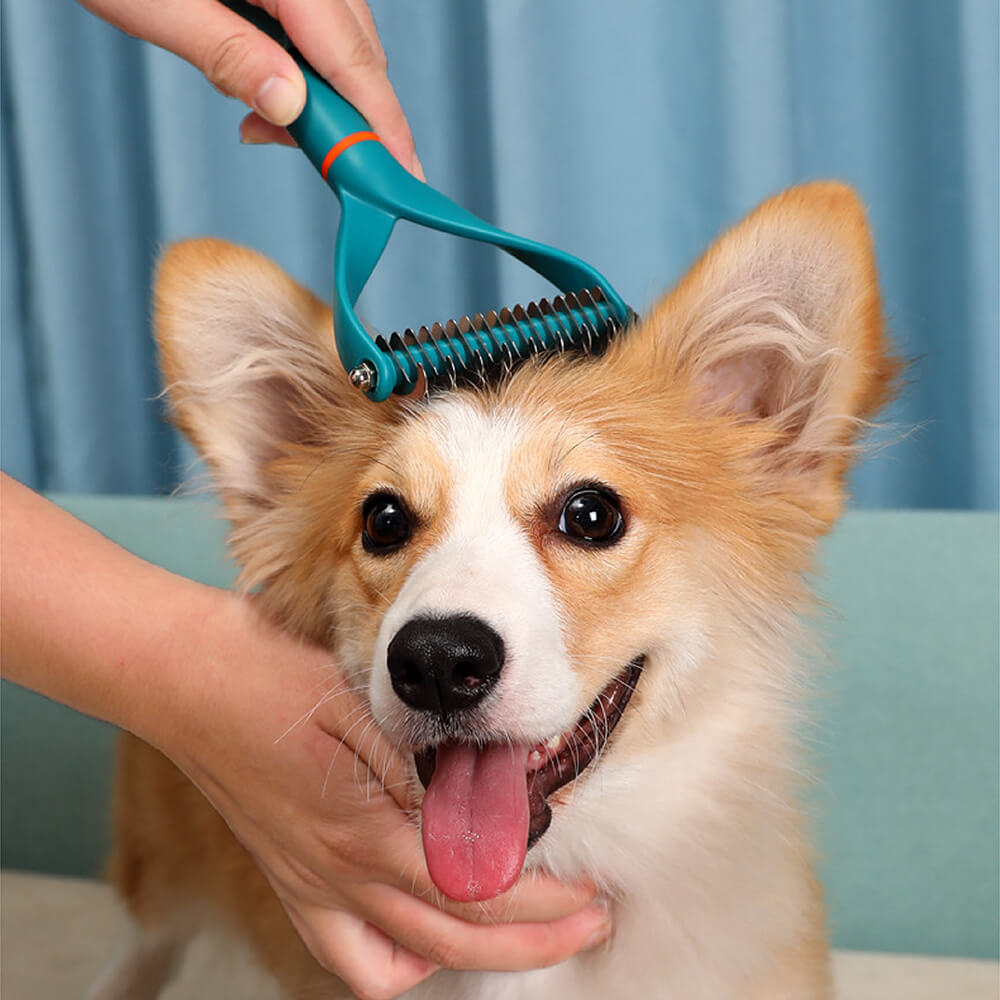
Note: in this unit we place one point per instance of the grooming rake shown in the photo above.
(375, 191)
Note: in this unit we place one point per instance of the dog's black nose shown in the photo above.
(444, 664)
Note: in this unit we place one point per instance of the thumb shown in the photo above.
(244, 63)
(236, 57)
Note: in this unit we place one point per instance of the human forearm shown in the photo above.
(86, 622)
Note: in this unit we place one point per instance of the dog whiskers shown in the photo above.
(341, 740)
(368, 766)
(342, 687)
(390, 785)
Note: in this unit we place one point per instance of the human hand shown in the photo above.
(319, 798)
(337, 37)
(287, 754)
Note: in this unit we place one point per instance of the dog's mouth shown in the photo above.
(485, 805)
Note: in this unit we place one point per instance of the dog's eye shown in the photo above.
(592, 516)
(386, 523)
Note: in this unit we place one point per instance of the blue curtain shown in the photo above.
(629, 133)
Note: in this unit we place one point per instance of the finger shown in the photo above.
(535, 897)
(456, 944)
(362, 12)
(255, 130)
(335, 42)
(372, 965)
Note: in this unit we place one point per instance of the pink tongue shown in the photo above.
(475, 819)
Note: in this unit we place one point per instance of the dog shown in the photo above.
(589, 580)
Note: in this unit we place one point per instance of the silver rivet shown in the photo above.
(363, 377)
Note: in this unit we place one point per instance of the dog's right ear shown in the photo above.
(249, 361)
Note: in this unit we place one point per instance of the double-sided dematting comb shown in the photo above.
(374, 193)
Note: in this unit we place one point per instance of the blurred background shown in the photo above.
(629, 133)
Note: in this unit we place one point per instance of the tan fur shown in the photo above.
(174, 854)
(726, 422)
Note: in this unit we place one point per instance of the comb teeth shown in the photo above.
(485, 348)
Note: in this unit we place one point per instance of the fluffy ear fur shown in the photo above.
(249, 360)
(254, 380)
(780, 325)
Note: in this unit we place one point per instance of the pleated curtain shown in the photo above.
(628, 132)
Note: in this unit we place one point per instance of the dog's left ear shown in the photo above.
(250, 365)
(780, 326)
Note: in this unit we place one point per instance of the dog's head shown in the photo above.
(550, 574)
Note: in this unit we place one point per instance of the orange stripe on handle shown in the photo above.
(344, 143)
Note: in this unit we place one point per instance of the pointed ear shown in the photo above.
(249, 361)
(780, 325)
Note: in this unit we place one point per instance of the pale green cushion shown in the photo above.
(906, 738)
(909, 738)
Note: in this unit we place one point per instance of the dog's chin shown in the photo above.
(556, 762)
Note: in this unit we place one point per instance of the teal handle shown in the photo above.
(326, 119)
(357, 175)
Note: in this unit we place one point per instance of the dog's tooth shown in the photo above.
(535, 756)
(555, 743)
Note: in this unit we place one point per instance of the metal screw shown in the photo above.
(363, 377)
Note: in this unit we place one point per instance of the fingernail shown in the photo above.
(279, 100)
(425, 967)
(600, 933)
(247, 137)
(417, 169)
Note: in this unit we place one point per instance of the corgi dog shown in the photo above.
(573, 600)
